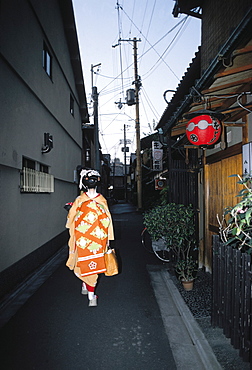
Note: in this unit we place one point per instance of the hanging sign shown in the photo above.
(203, 130)
(160, 184)
(157, 156)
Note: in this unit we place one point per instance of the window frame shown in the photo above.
(35, 177)
(71, 105)
(47, 61)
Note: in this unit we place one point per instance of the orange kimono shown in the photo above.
(90, 226)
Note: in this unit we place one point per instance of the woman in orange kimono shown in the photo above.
(90, 227)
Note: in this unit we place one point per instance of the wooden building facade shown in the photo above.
(218, 81)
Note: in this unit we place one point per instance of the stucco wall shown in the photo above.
(31, 103)
(29, 220)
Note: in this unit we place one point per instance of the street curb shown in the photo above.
(10, 304)
(203, 347)
(199, 341)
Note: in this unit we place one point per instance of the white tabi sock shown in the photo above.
(91, 295)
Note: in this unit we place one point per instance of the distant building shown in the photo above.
(118, 179)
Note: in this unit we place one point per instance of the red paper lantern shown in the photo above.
(203, 130)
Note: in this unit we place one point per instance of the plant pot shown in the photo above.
(188, 285)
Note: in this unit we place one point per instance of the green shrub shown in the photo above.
(175, 223)
(236, 223)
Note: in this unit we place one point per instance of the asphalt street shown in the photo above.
(55, 328)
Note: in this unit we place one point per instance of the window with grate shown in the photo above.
(35, 178)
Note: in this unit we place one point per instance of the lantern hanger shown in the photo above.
(204, 111)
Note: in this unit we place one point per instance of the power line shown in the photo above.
(146, 5)
(133, 10)
(151, 47)
(111, 122)
(115, 89)
(112, 77)
(151, 106)
(161, 56)
(120, 46)
(149, 24)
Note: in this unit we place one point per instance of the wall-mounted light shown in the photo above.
(48, 143)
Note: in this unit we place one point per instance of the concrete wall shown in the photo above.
(31, 103)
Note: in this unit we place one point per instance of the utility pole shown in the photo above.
(138, 143)
(96, 125)
(137, 83)
(125, 165)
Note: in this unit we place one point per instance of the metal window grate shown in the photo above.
(33, 181)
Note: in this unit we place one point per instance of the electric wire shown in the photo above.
(102, 136)
(151, 106)
(132, 16)
(144, 13)
(111, 121)
(152, 69)
(126, 53)
(151, 47)
(114, 78)
(143, 106)
(230, 96)
(115, 89)
(242, 106)
(175, 38)
(120, 46)
(147, 34)
(141, 58)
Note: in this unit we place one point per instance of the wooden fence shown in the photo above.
(232, 296)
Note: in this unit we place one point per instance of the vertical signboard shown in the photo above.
(157, 156)
(246, 159)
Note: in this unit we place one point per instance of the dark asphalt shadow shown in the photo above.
(55, 329)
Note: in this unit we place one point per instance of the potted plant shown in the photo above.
(186, 270)
(175, 225)
(235, 227)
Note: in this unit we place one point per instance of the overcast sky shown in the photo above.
(165, 51)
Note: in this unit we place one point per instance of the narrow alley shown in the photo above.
(55, 328)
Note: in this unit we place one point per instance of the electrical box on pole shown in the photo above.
(130, 97)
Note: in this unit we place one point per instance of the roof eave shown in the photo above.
(209, 72)
(66, 7)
